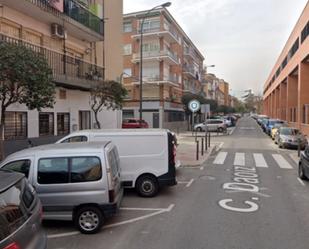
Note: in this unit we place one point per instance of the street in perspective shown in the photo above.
(129, 124)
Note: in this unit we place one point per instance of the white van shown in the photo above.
(147, 156)
(79, 182)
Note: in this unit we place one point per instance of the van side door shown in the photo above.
(21, 165)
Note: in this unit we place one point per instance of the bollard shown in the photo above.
(202, 146)
(209, 140)
(197, 150)
(298, 147)
(206, 142)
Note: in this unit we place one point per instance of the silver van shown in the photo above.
(78, 181)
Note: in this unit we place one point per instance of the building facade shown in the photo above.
(74, 40)
(172, 66)
(224, 87)
(286, 91)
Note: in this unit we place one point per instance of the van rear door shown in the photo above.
(113, 175)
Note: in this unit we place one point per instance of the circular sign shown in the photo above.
(194, 105)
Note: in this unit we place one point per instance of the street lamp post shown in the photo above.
(167, 4)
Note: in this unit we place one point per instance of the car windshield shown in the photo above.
(289, 132)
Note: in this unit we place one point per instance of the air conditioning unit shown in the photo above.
(58, 31)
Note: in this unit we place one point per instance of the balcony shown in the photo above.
(190, 53)
(78, 20)
(157, 80)
(189, 71)
(67, 71)
(165, 55)
(168, 34)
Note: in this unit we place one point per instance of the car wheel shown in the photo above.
(89, 220)
(301, 173)
(220, 129)
(147, 186)
(199, 129)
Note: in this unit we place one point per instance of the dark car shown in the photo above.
(132, 123)
(303, 167)
(20, 213)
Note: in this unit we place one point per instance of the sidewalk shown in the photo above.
(186, 151)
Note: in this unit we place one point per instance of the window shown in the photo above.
(113, 160)
(15, 126)
(84, 120)
(76, 139)
(127, 27)
(305, 32)
(85, 169)
(127, 49)
(63, 123)
(22, 166)
(62, 94)
(127, 72)
(46, 124)
(53, 171)
(151, 25)
(65, 170)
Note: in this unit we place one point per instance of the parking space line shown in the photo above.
(301, 182)
(189, 183)
(160, 211)
(141, 209)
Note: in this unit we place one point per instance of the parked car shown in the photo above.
(212, 125)
(288, 137)
(20, 213)
(78, 181)
(264, 124)
(270, 124)
(275, 129)
(147, 156)
(303, 166)
(132, 123)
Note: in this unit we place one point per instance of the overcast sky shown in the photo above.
(243, 38)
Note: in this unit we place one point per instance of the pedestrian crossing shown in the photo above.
(259, 160)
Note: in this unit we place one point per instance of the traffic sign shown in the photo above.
(194, 105)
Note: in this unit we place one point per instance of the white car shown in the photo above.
(218, 125)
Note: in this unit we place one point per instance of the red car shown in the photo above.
(132, 123)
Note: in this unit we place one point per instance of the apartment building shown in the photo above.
(210, 86)
(72, 36)
(224, 87)
(286, 91)
(172, 66)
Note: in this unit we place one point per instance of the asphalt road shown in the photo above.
(247, 196)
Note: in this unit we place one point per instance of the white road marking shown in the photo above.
(260, 160)
(294, 158)
(241, 191)
(141, 209)
(219, 147)
(160, 211)
(301, 182)
(201, 168)
(239, 159)
(190, 183)
(282, 163)
(182, 182)
(232, 131)
(220, 158)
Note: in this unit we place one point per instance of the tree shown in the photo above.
(109, 94)
(25, 78)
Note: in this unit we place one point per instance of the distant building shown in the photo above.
(172, 66)
(224, 87)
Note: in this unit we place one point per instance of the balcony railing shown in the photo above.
(156, 54)
(157, 79)
(75, 11)
(65, 69)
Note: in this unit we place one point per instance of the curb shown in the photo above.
(198, 164)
